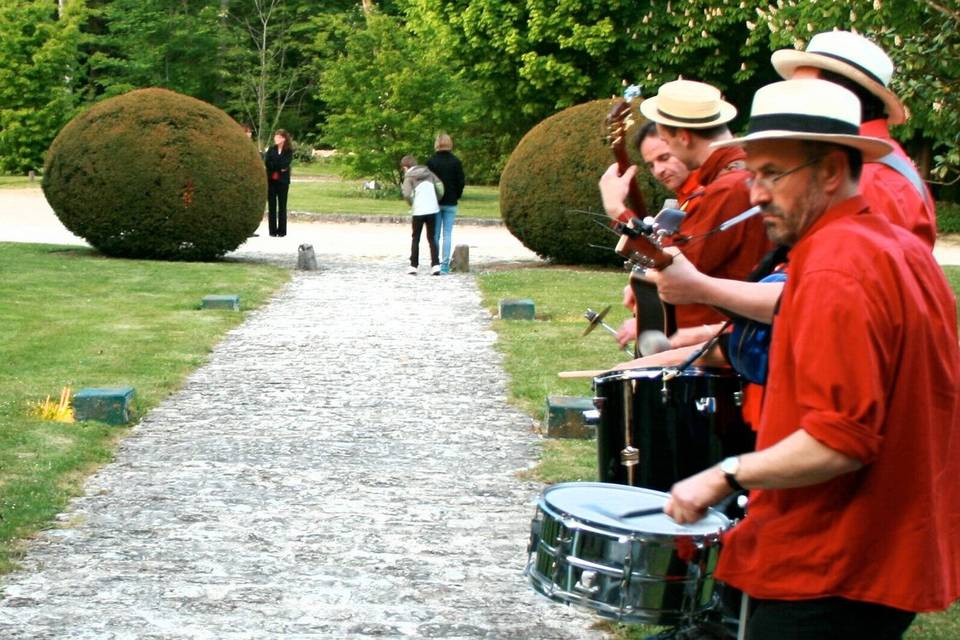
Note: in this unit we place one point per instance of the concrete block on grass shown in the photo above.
(571, 417)
(230, 302)
(516, 309)
(111, 405)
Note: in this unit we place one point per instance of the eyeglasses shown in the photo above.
(769, 180)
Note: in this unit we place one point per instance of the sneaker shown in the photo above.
(435, 270)
(444, 269)
(412, 270)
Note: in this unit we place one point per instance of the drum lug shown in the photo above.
(664, 392)
(586, 582)
(706, 405)
(630, 456)
(598, 403)
(738, 398)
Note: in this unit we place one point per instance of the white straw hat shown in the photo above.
(688, 104)
(809, 109)
(850, 55)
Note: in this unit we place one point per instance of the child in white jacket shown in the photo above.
(421, 188)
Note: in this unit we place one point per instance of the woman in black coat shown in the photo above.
(278, 159)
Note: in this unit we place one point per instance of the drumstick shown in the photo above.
(638, 513)
(590, 373)
(641, 513)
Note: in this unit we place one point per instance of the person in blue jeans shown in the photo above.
(449, 169)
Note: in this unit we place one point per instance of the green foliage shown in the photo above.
(386, 101)
(922, 38)
(155, 174)
(155, 43)
(38, 74)
(532, 58)
(948, 217)
(548, 189)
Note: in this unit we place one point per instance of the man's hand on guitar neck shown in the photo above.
(614, 189)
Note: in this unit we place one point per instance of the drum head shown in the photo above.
(600, 504)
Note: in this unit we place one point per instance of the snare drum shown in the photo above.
(653, 433)
(637, 570)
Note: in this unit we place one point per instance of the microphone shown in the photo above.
(651, 341)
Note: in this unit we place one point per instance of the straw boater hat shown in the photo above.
(852, 56)
(688, 104)
(809, 109)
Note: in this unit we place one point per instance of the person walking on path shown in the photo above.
(278, 159)
(449, 169)
(421, 188)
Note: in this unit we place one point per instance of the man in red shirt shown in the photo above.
(690, 116)
(673, 175)
(854, 505)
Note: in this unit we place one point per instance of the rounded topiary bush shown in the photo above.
(549, 186)
(156, 174)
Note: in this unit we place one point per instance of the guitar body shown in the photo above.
(652, 313)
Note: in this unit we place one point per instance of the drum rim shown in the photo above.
(689, 372)
(636, 534)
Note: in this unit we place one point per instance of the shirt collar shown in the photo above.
(714, 165)
(852, 206)
(878, 128)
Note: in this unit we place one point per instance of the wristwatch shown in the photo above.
(730, 466)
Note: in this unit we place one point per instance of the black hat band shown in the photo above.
(670, 116)
(853, 64)
(802, 123)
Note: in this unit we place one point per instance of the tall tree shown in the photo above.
(272, 72)
(389, 94)
(39, 52)
(158, 43)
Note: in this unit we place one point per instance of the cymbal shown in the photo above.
(595, 319)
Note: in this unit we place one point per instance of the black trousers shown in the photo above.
(277, 206)
(825, 619)
(418, 223)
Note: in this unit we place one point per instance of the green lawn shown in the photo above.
(71, 317)
(534, 352)
(18, 182)
(346, 197)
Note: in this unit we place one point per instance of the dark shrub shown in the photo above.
(155, 174)
(948, 217)
(550, 183)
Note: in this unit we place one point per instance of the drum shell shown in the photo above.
(637, 576)
(694, 425)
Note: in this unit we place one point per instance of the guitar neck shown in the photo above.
(634, 197)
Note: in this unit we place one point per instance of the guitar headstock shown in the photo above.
(618, 121)
(641, 250)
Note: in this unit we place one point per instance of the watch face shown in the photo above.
(730, 465)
